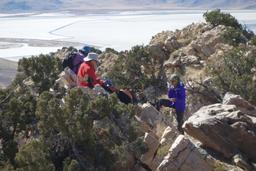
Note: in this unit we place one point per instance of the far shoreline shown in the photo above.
(81, 12)
(46, 44)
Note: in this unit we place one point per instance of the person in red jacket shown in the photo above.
(86, 76)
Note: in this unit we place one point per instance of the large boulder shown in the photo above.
(159, 134)
(202, 45)
(171, 44)
(243, 105)
(168, 137)
(205, 45)
(224, 129)
(151, 140)
(148, 113)
(200, 93)
(186, 156)
(150, 118)
(180, 59)
(193, 30)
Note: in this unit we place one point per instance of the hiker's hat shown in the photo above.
(86, 49)
(174, 77)
(91, 56)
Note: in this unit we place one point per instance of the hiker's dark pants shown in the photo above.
(179, 115)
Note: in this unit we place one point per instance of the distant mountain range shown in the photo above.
(52, 5)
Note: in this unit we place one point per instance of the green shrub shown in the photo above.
(17, 113)
(138, 70)
(233, 74)
(234, 36)
(127, 70)
(253, 40)
(218, 166)
(6, 167)
(43, 70)
(138, 147)
(111, 50)
(73, 119)
(73, 166)
(95, 50)
(33, 156)
(249, 34)
(216, 17)
(63, 123)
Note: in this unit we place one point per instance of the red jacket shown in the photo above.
(85, 71)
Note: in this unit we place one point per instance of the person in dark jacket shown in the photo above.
(79, 58)
(177, 99)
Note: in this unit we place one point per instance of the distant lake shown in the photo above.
(118, 30)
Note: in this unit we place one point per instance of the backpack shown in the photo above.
(126, 96)
(73, 60)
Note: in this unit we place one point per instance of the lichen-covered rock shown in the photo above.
(151, 140)
(243, 105)
(224, 129)
(182, 60)
(148, 114)
(201, 47)
(205, 45)
(186, 156)
(169, 135)
(171, 44)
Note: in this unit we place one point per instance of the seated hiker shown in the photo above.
(86, 76)
(70, 65)
(74, 59)
(177, 99)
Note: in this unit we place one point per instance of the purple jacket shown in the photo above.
(179, 94)
(79, 58)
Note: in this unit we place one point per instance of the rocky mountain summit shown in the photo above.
(47, 127)
(218, 136)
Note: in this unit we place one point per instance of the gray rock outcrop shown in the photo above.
(226, 128)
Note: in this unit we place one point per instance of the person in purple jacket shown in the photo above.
(177, 99)
(79, 58)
